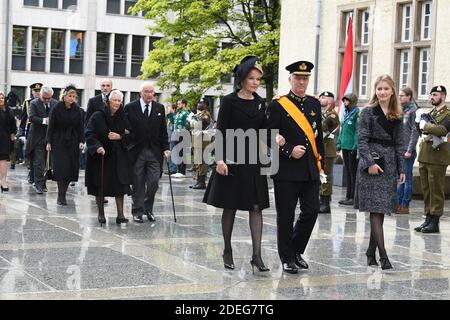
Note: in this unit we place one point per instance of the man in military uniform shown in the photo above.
(434, 157)
(330, 121)
(199, 123)
(24, 126)
(298, 118)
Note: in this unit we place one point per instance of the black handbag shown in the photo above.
(379, 160)
(48, 174)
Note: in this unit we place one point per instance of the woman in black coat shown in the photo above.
(108, 169)
(240, 186)
(65, 140)
(7, 136)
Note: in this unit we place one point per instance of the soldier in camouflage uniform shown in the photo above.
(200, 122)
(434, 157)
(330, 121)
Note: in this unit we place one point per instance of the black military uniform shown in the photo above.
(296, 179)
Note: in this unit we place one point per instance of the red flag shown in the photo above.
(347, 69)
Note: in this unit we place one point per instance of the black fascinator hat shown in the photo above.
(242, 70)
(70, 87)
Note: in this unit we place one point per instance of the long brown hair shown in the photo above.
(394, 111)
(4, 100)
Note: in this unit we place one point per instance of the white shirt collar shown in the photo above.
(143, 106)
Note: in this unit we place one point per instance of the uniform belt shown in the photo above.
(383, 142)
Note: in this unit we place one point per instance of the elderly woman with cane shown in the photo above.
(108, 170)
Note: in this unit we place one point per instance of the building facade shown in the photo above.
(407, 39)
(58, 42)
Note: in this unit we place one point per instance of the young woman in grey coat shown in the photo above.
(379, 136)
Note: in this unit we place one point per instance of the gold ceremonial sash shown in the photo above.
(304, 124)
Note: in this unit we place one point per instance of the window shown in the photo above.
(347, 16)
(113, 6)
(76, 52)
(31, 3)
(50, 4)
(102, 56)
(425, 29)
(69, 4)
(403, 80)
(134, 96)
(424, 67)
(20, 91)
(38, 40)
(364, 27)
(120, 55)
(19, 49)
(128, 5)
(406, 23)
(363, 75)
(137, 55)
(57, 51)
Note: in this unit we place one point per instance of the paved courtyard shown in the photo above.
(53, 252)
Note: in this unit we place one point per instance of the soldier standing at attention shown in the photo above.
(330, 121)
(433, 159)
(200, 122)
(298, 118)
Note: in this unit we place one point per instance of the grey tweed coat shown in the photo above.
(378, 193)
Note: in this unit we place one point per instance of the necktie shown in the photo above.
(146, 111)
(46, 109)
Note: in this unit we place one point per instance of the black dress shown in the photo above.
(7, 127)
(117, 170)
(245, 187)
(65, 133)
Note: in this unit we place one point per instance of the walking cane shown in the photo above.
(171, 191)
(102, 200)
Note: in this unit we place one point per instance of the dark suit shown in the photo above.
(149, 141)
(36, 139)
(296, 179)
(94, 104)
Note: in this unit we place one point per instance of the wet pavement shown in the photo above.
(54, 252)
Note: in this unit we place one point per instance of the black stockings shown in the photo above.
(101, 206)
(119, 205)
(376, 234)
(62, 189)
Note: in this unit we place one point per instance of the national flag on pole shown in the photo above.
(347, 70)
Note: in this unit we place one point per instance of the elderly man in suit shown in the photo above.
(149, 144)
(39, 112)
(98, 102)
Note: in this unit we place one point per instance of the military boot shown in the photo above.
(325, 204)
(433, 226)
(200, 185)
(424, 224)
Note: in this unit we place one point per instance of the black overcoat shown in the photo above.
(246, 186)
(117, 168)
(7, 127)
(65, 133)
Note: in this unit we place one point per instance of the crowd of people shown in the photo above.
(125, 147)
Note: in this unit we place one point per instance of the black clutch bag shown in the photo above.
(379, 160)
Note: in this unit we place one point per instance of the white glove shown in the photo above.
(323, 177)
(419, 113)
(22, 139)
(422, 124)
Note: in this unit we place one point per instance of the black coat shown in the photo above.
(65, 133)
(7, 127)
(305, 168)
(117, 167)
(38, 130)
(94, 104)
(151, 132)
(244, 187)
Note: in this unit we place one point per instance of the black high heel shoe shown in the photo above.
(228, 261)
(101, 220)
(121, 220)
(261, 267)
(385, 263)
(5, 189)
(371, 260)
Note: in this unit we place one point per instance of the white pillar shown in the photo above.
(60, 4)
(129, 52)
(122, 6)
(29, 44)
(112, 39)
(146, 46)
(48, 49)
(67, 53)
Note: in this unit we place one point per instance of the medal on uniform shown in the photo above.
(313, 113)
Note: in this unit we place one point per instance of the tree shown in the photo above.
(202, 41)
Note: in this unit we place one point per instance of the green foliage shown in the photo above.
(193, 32)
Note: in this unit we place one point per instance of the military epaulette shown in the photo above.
(277, 97)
